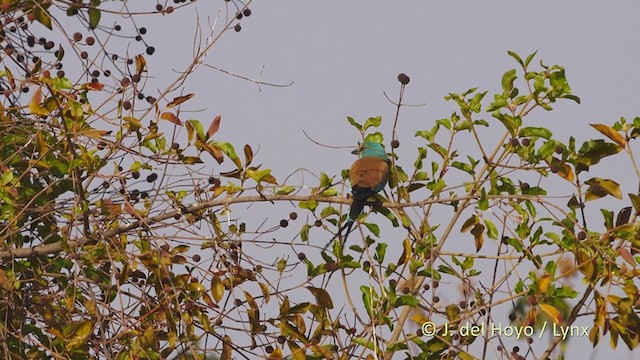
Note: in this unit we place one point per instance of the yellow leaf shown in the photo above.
(543, 283)
(217, 288)
(611, 134)
(552, 312)
(276, 354)
(226, 348)
(170, 117)
(80, 335)
(34, 104)
(266, 295)
(322, 296)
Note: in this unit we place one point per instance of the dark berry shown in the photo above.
(196, 257)
(514, 142)
(117, 28)
(559, 149)
(582, 235)
(237, 28)
(125, 81)
(436, 299)
(143, 30)
(114, 57)
(90, 40)
(301, 256)
(158, 7)
(77, 36)
(395, 144)
(135, 78)
(151, 50)
(516, 349)
(524, 186)
(138, 38)
(126, 105)
(284, 223)
(512, 317)
(246, 12)
(403, 78)
(239, 16)
(554, 168)
(293, 215)
(135, 174)
(60, 73)
(84, 55)
(281, 339)
(152, 177)
(268, 349)
(318, 223)
(526, 142)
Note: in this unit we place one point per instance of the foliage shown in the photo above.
(108, 252)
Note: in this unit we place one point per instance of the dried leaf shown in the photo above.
(171, 117)
(214, 127)
(141, 64)
(179, 100)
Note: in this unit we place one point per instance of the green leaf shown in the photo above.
(492, 230)
(592, 151)
(406, 300)
(529, 58)
(373, 121)
(375, 137)
(374, 228)
(285, 190)
(228, 150)
(516, 56)
(381, 251)
(535, 131)
(42, 16)
(354, 123)
(512, 123)
(507, 80)
(94, 17)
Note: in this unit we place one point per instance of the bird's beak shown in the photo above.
(357, 151)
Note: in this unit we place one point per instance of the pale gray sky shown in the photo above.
(343, 55)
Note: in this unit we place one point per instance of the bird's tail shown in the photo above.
(348, 225)
(360, 196)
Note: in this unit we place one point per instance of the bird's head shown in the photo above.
(370, 148)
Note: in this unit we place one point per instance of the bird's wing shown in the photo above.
(370, 172)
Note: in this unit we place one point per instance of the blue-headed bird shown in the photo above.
(368, 175)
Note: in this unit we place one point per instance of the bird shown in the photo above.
(368, 175)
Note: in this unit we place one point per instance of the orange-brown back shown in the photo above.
(370, 173)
